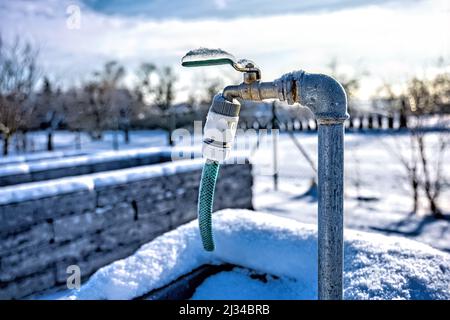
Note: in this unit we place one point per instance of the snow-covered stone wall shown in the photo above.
(94, 219)
(59, 167)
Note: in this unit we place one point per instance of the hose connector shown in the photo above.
(220, 128)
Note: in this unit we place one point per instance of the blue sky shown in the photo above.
(225, 9)
(389, 40)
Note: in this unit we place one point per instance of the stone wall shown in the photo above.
(39, 156)
(47, 169)
(94, 219)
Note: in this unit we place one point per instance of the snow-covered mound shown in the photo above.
(376, 266)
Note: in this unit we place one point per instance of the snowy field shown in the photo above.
(377, 200)
(69, 142)
(377, 195)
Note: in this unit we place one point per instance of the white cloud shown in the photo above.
(221, 4)
(391, 42)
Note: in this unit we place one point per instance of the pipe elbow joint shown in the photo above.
(322, 94)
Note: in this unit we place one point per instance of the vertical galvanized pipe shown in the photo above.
(331, 208)
(327, 99)
(274, 133)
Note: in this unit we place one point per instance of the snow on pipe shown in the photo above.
(327, 99)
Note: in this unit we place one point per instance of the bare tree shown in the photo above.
(73, 102)
(422, 103)
(212, 87)
(200, 100)
(144, 88)
(422, 99)
(432, 181)
(164, 92)
(143, 92)
(93, 110)
(164, 97)
(407, 155)
(440, 92)
(49, 110)
(125, 103)
(350, 83)
(18, 76)
(100, 110)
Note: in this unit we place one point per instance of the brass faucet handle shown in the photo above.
(211, 57)
(251, 71)
(207, 57)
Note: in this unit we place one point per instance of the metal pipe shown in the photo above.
(275, 146)
(330, 211)
(326, 98)
(256, 91)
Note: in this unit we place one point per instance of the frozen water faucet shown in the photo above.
(326, 98)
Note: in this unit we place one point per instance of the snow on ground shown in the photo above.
(67, 140)
(376, 266)
(377, 197)
(245, 284)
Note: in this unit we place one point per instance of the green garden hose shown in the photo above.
(206, 201)
(218, 138)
